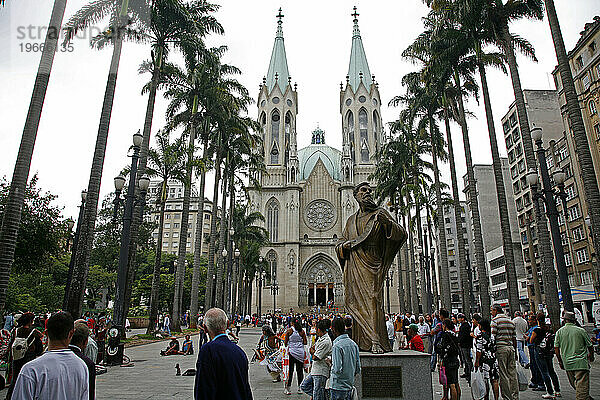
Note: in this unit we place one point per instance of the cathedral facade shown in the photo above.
(306, 194)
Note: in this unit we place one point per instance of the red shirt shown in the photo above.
(416, 343)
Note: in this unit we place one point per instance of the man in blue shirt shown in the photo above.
(345, 362)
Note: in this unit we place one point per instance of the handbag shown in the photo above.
(478, 389)
(443, 378)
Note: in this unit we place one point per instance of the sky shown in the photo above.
(317, 38)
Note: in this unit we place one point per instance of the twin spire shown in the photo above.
(358, 69)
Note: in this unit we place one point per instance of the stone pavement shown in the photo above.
(153, 377)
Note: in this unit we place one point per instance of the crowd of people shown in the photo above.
(51, 356)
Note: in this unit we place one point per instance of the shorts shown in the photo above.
(452, 376)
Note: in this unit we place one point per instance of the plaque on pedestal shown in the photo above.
(397, 375)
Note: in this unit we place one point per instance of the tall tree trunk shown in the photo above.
(474, 205)
(406, 272)
(414, 297)
(198, 239)
(139, 209)
(209, 297)
(424, 289)
(444, 275)
(434, 275)
(249, 298)
(11, 217)
(86, 235)
(155, 290)
(183, 233)
(460, 256)
(507, 242)
(222, 238)
(229, 278)
(401, 280)
(590, 184)
(550, 289)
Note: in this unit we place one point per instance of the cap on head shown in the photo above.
(569, 316)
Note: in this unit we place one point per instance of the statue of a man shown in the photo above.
(369, 243)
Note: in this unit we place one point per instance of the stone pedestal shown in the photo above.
(398, 375)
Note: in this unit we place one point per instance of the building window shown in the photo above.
(585, 81)
(449, 231)
(571, 280)
(273, 219)
(563, 238)
(177, 216)
(167, 225)
(570, 191)
(498, 279)
(165, 244)
(597, 131)
(563, 153)
(518, 150)
(451, 252)
(506, 127)
(513, 119)
(579, 62)
(272, 261)
(350, 120)
(511, 156)
(592, 107)
(582, 256)
(275, 137)
(167, 216)
(176, 225)
(574, 212)
(175, 234)
(586, 277)
(568, 261)
(578, 233)
(364, 138)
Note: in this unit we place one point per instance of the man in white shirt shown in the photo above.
(314, 384)
(389, 325)
(521, 328)
(58, 374)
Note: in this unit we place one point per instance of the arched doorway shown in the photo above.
(320, 283)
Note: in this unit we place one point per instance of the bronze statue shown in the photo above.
(369, 243)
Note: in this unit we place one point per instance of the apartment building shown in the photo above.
(172, 222)
(452, 248)
(584, 60)
(492, 233)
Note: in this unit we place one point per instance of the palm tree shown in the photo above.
(115, 34)
(173, 24)
(501, 15)
(166, 161)
(11, 217)
(590, 185)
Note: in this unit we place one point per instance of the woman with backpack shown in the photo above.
(485, 358)
(25, 345)
(542, 338)
(448, 353)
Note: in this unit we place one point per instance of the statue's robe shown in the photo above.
(365, 266)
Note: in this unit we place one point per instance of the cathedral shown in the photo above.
(306, 194)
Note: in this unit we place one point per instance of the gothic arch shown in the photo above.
(275, 123)
(363, 124)
(320, 269)
(271, 259)
(272, 212)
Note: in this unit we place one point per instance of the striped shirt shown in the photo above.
(503, 329)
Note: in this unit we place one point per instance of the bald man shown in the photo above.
(222, 366)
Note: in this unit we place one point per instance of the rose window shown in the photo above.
(320, 214)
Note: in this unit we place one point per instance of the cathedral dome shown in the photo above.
(318, 150)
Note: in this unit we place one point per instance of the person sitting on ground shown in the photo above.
(58, 374)
(188, 346)
(172, 348)
(415, 342)
(79, 342)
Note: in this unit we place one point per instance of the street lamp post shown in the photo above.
(223, 300)
(548, 194)
(144, 182)
(229, 275)
(260, 278)
(74, 247)
(234, 282)
(389, 282)
(274, 290)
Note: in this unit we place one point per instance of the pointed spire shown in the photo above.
(278, 69)
(359, 68)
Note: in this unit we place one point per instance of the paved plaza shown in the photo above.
(153, 377)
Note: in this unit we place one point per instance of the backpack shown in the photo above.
(20, 346)
(547, 344)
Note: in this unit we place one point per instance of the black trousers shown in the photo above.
(299, 365)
